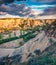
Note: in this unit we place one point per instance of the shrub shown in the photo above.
(28, 37)
(7, 40)
(37, 52)
(51, 40)
(21, 43)
(45, 60)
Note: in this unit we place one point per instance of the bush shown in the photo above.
(25, 36)
(37, 52)
(7, 40)
(45, 60)
(51, 40)
(21, 43)
(28, 37)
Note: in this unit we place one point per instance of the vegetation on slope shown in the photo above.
(48, 57)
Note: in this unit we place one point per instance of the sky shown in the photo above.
(41, 7)
(39, 4)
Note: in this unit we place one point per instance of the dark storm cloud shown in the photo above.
(49, 11)
(8, 1)
(16, 9)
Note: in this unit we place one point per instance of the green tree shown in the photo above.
(22, 29)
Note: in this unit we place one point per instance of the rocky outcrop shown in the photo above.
(11, 44)
(13, 60)
(40, 42)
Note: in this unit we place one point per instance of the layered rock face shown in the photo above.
(8, 24)
(40, 42)
(22, 54)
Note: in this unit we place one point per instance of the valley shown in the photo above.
(22, 41)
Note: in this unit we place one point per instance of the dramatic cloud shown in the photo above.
(41, 6)
(45, 9)
(27, 10)
(6, 1)
(44, 1)
(17, 9)
(49, 11)
(22, 10)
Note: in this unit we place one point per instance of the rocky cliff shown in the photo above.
(39, 43)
